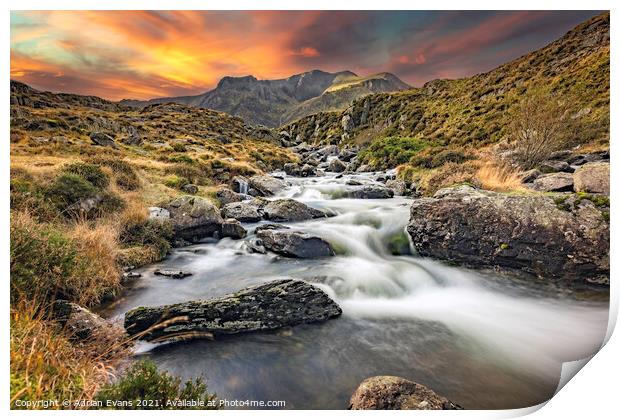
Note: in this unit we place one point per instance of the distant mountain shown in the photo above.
(276, 102)
(475, 110)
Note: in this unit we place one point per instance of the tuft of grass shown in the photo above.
(499, 178)
(143, 382)
(89, 172)
(46, 365)
(48, 263)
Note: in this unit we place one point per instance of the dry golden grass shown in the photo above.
(45, 364)
(498, 177)
(98, 247)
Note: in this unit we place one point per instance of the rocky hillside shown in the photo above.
(475, 111)
(275, 102)
(172, 133)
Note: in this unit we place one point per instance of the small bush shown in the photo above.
(144, 382)
(90, 172)
(124, 172)
(47, 263)
(68, 189)
(175, 181)
(26, 195)
(153, 233)
(390, 152)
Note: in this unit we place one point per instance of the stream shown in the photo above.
(483, 339)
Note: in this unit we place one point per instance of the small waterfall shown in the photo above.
(243, 186)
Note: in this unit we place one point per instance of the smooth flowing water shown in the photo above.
(482, 339)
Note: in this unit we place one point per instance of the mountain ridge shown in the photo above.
(273, 102)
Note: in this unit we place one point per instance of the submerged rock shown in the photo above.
(592, 178)
(194, 218)
(289, 210)
(394, 393)
(533, 233)
(295, 244)
(270, 226)
(372, 191)
(277, 304)
(175, 274)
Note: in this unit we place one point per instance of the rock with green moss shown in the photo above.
(593, 178)
(273, 305)
(470, 226)
(194, 218)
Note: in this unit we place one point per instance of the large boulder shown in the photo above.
(277, 304)
(534, 233)
(394, 393)
(371, 191)
(244, 211)
(194, 218)
(289, 210)
(231, 228)
(556, 182)
(551, 166)
(227, 196)
(592, 178)
(292, 169)
(295, 244)
(103, 139)
(265, 185)
(336, 165)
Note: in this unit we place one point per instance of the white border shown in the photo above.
(591, 394)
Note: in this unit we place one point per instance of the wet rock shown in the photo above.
(255, 245)
(175, 274)
(270, 226)
(131, 275)
(533, 233)
(243, 211)
(353, 181)
(336, 165)
(559, 181)
(289, 210)
(189, 189)
(398, 186)
(277, 304)
(231, 228)
(82, 324)
(103, 139)
(292, 169)
(394, 393)
(295, 244)
(226, 196)
(372, 192)
(307, 170)
(363, 168)
(265, 185)
(592, 178)
(551, 166)
(194, 218)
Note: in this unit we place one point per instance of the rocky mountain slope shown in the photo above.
(475, 111)
(276, 102)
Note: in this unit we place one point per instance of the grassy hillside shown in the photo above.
(475, 112)
(79, 216)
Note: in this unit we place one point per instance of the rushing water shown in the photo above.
(483, 339)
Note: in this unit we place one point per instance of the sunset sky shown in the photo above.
(146, 54)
